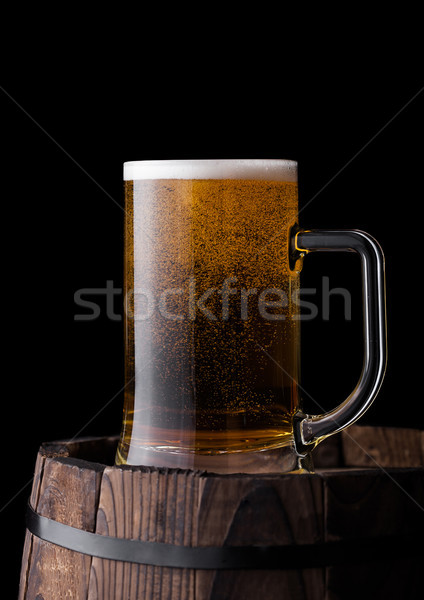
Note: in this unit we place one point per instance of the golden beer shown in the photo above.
(212, 324)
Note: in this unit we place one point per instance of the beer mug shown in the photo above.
(213, 253)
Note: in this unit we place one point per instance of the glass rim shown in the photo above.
(265, 169)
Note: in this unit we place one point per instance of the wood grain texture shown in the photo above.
(150, 505)
(365, 446)
(344, 500)
(268, 510)
(370, 504)
(27, 557)
(329, 454)
(65, 491)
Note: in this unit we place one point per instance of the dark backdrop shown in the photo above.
(75, 107)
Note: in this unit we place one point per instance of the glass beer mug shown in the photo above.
(213, 253)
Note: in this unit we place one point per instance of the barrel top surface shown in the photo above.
(359, 449)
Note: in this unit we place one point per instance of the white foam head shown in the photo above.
(257, 169)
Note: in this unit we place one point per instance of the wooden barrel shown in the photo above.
(345, 531)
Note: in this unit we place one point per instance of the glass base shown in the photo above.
(276, 460)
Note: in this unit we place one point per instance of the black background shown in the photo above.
(79, 99)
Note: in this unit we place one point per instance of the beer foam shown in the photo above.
(257, 169)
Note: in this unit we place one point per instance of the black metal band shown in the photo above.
(224, 557)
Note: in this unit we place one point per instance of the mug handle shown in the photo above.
(311, 429)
